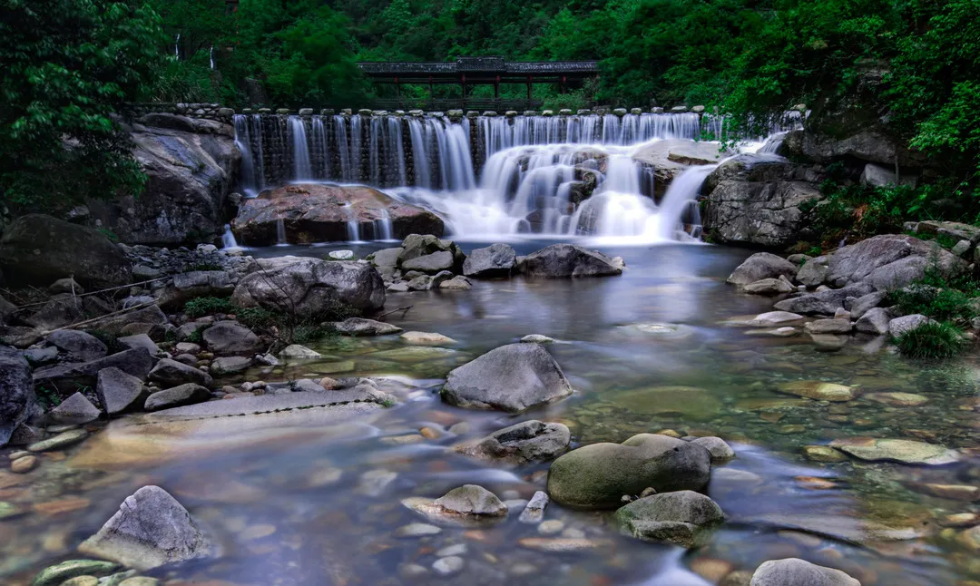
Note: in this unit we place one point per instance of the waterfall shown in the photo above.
(321, 146)
(343, 150)
(355, 148)
(255, 131)
(682, 198)
(281, 232)
(302, 169)
(211, 56)
(228, 241)
(243, 141)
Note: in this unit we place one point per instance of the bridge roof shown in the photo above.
(479, 65)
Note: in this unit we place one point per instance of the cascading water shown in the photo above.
(490, 177)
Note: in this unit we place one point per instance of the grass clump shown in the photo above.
(208, 305)
(932, 340)
(940, 298)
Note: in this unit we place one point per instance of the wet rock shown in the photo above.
(896, 450)
(783, 332)
(230, 364)
(458, 282)
(79, 346)
(229, 338)
(62, 440)
(55, 575)
(170, 373)
(151, 529)
(823, 454)
(308, 285)
(448, 566)
(898, 399)
(69, 375)
(906, 323)
(511, 378)
(530, 441)
(374, 482)
(769, 287)
(496, 260)
(297, 352)
(598, 475)
(970, 539)
(534, 510)
(818, 391)
(719, 450)
(825, 302)
(417, 530)
(863, 304)
(681, 518)
(568, 260)
(798, 572)
(75, 410)
(23, 465)
(359, 326)
(874, 321)
(889, 261)
(956, 492)
(828, 326)
(430, 263)
(17, 398)
(37, 249)
(772, 318)
(426, 338)
(386, 261)
(561, 544)
(537, 339)
(761, 265)
(185, 394)
(467, 506)
(119, 392)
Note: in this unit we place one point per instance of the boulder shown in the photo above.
(719, 450)
(568, 260)
(813, 272)
(229, 338)
(64, 572)
(496, 260)
(906, 323)
(322, 213)
(597, 476)
(298, 352)
(78, 346)
(186, 394)
(119, 392)
(682, 518)
(889, 261)
(17, 398)
(467, 506)
(190, 172)
(759, 266)
(458, 282)
(896, 450)
(828, 326)
(881, 176)
(230, 364)
(523, 443)
(170, 373)
(754, 199)
(817, 390)
(769, 287)
(359, 326)
(36, 249)
(797, 572)
(150, 530)
(825, 302)
(386, 261)
(511, 378)
(874, 321)
(307, 286)
(865, 303)
(436, 262)
(67, 376)
(141, 341)
(119, 324)
(75, 410)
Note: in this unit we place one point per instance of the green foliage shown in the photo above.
(934, 340)
(940, 298)
(208, 306)
(47, 397)
(67, 67)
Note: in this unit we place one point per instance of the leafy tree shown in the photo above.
(67, 66)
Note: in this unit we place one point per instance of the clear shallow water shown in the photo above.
(319, 506)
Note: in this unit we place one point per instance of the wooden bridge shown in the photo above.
(468, 72)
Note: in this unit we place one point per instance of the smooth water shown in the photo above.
(646, 351)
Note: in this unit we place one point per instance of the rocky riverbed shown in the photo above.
(565, 417)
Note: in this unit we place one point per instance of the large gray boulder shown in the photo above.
(75, 410)
(359, 326)
(469, 505)
(191, 168)
(119, 392)
(229, 338)
(185, 394)
(597, 476)
(169, 372)
(682, 518)
(759, 266)
(68, 376)
(79, 346)
(307, 286)
(17, 398)
(889, 261)
(441, 260)
(511, 378)
(496, 260)
(874, 321)
(38, 250)
(797, 572)
(568, 260)
(823, 302)
(758, 200)
(906, 323)
(150, 530)
(523, 443)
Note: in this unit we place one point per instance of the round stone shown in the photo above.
(448, 566)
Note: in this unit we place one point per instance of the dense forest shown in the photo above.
(911, 65)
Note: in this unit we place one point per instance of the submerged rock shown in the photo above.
(818, 391)
(151, 529)
(511, 378)
(467, 506)
(359, 326)
(298, 352)
(568, 260)
(426, 338)
(533, 512)
(681, 518)
(896, 450)
(530, 441)
(759, 266)
(797, 572)
(597, 476)
(60, 573)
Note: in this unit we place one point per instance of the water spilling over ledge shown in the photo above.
(498, 177)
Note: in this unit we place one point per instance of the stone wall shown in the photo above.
(193, 110)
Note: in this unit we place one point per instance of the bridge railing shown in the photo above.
(442, 104)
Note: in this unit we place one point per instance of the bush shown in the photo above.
(208, 306)
(933, 340)
(940, 298)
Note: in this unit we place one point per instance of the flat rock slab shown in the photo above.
(818, 391)
(896, 450)
(63, 440)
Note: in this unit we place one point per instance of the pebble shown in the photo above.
(23, 465)
(573, 533)
(417, 530)
(960, 520)
(550, 527)
(457, 550)
(823, 454)
(18, 454)
(410, 571)
(523, 569)
(448, 566)
(534, 511)
(429, 433)
(256, 532)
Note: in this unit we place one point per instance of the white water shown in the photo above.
(302, 169)
(228, 241)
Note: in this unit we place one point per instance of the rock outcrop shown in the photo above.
(889, 261)
(323, 213)
(38, 250)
